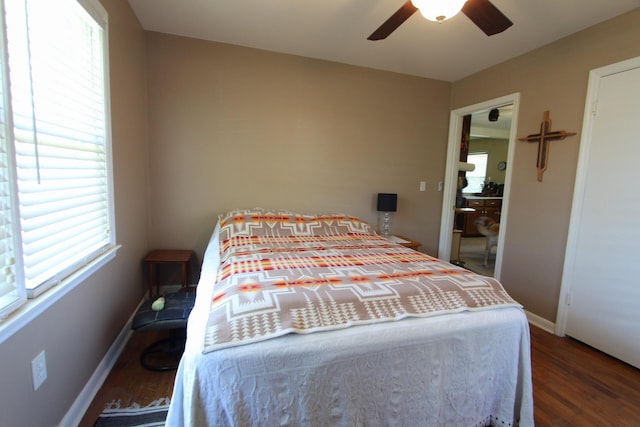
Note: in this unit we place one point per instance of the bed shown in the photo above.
(316, 320)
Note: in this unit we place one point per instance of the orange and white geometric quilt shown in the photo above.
(283, 273)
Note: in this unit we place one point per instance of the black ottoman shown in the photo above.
(173, 317)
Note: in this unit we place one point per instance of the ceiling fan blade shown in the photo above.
(486, 16)
(394, 21)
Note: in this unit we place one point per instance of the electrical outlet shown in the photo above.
(39, 370)
(423, 185)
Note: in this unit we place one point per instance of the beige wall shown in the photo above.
(551, 78)
(78, 330)
(238, 127)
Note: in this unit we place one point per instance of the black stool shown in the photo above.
(173, 317)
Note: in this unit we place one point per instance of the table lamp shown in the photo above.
(387, 203)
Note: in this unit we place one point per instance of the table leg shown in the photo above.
(151, 268)
(184, 275)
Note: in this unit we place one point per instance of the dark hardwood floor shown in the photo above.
(130, 383)
(576, 385)
(573, 384)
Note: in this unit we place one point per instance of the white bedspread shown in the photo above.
(465, 369)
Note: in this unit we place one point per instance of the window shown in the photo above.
(11, 294)
(477, 177)
(58, 142)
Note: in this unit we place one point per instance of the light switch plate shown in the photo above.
(39, 370)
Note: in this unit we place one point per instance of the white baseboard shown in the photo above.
(75, 413)
(541, 322)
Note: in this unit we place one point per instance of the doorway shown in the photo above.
(459, 237)
(600, 292)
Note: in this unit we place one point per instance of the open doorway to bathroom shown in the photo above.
(475, 198)
(487, 151)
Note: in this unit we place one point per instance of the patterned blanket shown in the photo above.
(284, 273)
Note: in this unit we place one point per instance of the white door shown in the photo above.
(602, 269)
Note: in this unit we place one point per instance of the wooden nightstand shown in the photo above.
(409, 243)
(168, 256)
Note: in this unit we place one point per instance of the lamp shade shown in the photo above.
(438, 10)
(387, 202)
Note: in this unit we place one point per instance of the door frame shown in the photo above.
(580, 185)
(451, 174)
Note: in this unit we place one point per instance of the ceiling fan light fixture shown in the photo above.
(438, 10)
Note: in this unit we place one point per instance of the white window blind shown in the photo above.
(62, 151)
(12, 294)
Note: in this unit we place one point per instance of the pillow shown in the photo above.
(265, 222)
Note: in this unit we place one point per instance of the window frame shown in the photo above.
(34, 307)
(12, 240)
(475, 174)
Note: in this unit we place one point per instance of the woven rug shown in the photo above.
(151, 415)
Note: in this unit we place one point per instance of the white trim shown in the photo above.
(540, 322)
(10, 169)
(96, 10)
(107, 122)
(80, 406)
(35, 307)
(450, 182)
(12, 321)
(581, 182)
(451, 174)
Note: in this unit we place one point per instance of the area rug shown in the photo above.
(151, 415)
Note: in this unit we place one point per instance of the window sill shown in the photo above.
(33, 308)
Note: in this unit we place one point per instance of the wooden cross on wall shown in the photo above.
(543, 139)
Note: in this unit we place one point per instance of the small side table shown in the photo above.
(411, 244)
(168, 256)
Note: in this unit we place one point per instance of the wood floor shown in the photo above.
(576, 385)
(573, 384)
(129, 383)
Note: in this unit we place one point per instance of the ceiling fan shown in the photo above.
(482, 12)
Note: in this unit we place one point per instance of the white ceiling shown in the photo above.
(337, 30)
(481, 127)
